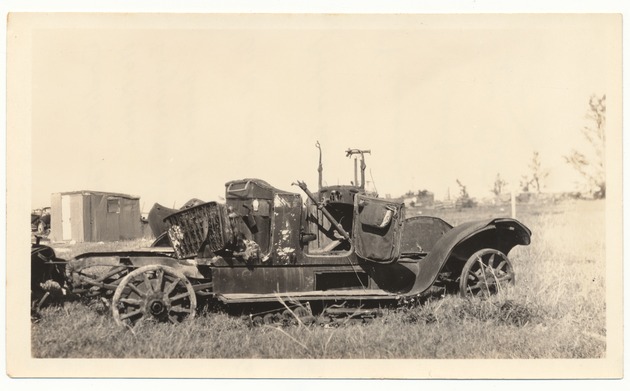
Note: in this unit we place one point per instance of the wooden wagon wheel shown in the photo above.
(154, 292)
(486, 272)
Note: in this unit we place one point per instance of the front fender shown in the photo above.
(462, 241)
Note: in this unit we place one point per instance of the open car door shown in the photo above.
(377, 229)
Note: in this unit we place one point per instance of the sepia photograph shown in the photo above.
(290, 195)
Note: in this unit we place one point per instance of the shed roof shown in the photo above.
(102, 193)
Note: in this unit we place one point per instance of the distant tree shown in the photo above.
(536, 177)
(499, 185)
(538, 174)
(592, 167)
(524, 183)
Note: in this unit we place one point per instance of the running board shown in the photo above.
(362, 294)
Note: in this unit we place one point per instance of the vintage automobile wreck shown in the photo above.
(267, 251)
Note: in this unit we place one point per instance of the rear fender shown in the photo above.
(458, 244)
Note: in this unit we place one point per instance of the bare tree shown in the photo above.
(524, 183)
(499, 185)
(538, 174)
(536, 177)
(592, 166)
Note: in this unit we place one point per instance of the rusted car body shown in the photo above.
(158, 213)
(265, 247)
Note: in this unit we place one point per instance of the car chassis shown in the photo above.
(267, 254)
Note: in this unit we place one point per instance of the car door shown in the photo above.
(377, 229)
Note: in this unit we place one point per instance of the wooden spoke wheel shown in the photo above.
(155, 292)
(486, 272)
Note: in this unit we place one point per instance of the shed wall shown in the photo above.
(76, 217)
(86, 219)
(56, 233)
(92, 220)
(130, 219)
(99, 217)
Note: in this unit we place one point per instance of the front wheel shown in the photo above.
(486, 272)
(154, 292)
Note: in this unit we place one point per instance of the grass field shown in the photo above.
(555, 310)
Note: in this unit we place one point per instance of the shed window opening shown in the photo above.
(113, 205)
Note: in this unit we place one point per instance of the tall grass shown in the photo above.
(555, 310)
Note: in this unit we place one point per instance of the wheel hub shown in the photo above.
(157, 306)
(489, 278)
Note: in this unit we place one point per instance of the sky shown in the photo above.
(170, 107)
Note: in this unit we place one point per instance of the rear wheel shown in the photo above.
(154, 292)
(487, 272)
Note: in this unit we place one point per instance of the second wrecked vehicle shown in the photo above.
(339, 250)
(40, 220)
